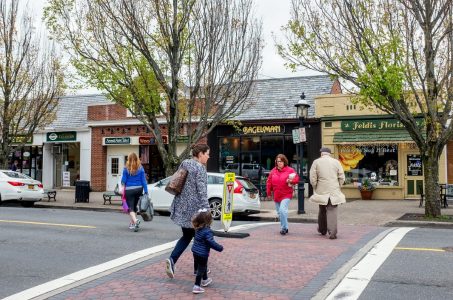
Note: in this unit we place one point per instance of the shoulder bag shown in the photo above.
(177, 181)
(145, 208)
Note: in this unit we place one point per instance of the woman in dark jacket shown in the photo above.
(194, 196)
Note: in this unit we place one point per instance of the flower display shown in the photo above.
(350, 159)
(367, 185)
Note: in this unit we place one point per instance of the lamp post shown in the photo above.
(301, 113)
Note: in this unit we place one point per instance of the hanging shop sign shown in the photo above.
(383, 124)
(414, 165)
(263, 129)
(66, 136)
(148, 140)
(125, 140)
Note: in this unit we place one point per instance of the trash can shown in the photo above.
(82, 191)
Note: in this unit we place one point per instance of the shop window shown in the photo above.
(378, 163)
(229, 152)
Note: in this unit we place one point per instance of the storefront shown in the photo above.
(374, 147)
(250, 150)
(63, 152)
(117, 149)
(27, 159)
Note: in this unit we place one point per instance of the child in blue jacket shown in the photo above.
(202, 243)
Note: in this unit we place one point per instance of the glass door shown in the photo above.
(413, 176)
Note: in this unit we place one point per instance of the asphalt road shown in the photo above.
(38, 245)
(416, 269)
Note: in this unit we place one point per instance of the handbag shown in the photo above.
(123, 199)
(177, 181)
(145, 208)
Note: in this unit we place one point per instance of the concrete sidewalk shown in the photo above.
(355, 212)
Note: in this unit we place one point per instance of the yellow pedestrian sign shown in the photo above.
(227, 202)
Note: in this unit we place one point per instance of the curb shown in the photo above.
(78, 208)
(420, 224)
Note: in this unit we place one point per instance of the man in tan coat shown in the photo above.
(326, 177)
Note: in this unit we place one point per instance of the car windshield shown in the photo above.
(13, 174)
(247, 184)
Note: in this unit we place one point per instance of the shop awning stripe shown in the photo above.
(371, 137)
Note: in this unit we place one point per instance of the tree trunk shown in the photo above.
(432, 190)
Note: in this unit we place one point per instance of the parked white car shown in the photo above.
(246, 199)
(18, 186)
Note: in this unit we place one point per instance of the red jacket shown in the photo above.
(277, 183)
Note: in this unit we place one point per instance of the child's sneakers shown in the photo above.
(206, 282)
(131, 226)
(197, 289)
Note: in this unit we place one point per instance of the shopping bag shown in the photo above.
(123, 199)
(145, 208)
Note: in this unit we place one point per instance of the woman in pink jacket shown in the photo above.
(280, 182)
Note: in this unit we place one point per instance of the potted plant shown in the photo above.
(366, 189)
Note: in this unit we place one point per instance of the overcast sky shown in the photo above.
(274, 14)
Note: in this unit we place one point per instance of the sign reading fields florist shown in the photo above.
(366, 125)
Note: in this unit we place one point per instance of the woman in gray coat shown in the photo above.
(194, 196)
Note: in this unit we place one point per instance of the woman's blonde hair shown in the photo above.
(133, 163)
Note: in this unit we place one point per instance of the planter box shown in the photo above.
(366, 195)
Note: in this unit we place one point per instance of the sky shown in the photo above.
(273, 13)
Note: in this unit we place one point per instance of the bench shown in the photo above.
(109, 195)
(446, 191)
(51, 194)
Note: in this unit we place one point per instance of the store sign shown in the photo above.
(182, 139)
(414, 165)
(61, 136)
(21, 139)
(263, 129)
(365, 125)
(117, 141)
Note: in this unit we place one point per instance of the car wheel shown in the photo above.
(27, 203)
(216, 208)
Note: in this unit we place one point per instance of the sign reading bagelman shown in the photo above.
(263, 129)
(117, 140)
(61, 136)
(364, 125)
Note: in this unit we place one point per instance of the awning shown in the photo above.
(370, 137)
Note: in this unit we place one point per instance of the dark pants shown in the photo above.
(181, 245)
(132, 197)
(201, 265)
(327, 219)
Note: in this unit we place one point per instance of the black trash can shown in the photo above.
(82, 191)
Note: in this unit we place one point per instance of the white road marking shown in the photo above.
(355, 282)
(104, 269)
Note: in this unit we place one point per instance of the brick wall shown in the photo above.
(106, 112)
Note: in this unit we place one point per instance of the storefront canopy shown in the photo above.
(370, 137)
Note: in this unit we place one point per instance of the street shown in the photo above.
(39, 245)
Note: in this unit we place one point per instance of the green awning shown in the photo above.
(371, 136)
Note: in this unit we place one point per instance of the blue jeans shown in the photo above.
(282, 210)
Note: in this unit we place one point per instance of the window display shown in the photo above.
(378, 163)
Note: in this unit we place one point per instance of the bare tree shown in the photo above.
(31, 79)
(397, 53)
(190, 63)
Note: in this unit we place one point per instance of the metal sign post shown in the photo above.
(227, 202)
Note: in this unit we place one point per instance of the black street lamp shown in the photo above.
(302, 112)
